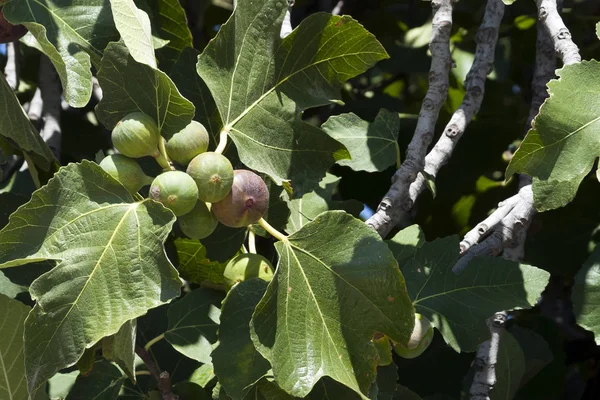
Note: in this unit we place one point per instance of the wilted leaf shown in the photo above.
(193, 323)
(336, 285)
(260, 82)
(561, 148)
(13, 385)
(106, 245)
(459, 305)
(237, 362)
(129, 86)
(373, 146)
(72, 33)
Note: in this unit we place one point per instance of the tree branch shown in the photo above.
(561, 37)
(486, 359)
(50, 89)
(162, 378)
(337, 10)
(11, 69)
(286, 26)
(397, 200)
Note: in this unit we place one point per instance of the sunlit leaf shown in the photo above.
(13, 385)
(134, 26)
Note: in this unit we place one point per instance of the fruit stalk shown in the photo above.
(222, 141)
(272, 231)
(163, 158)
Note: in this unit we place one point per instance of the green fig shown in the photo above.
(127, 171)
(246, 203)
(198, 223)
(176, 190)
(136, 136)
(213, 174)
(188, 143)
(246, 266)
(419, 341)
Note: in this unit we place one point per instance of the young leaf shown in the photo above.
(12, 367)
(120, 348)
(373, 145)
(458, 305)
(236, 361)
(586, 294)
(309, 206)
(111, 265)
(193, 323)
(260, 82)
(72, 33)
(16, 126)
(336, 285)
(561, 148)
(134, 26)
(169, 22)
(129, 86)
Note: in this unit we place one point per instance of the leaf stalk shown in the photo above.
(153, 341)
(272, 231)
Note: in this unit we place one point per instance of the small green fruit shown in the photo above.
(136, 135)
(246, 266)
(247, 202)
(420, 339)
(188, 143)
(126, 171)
(213, 174)
(198, 223)
(176, 190)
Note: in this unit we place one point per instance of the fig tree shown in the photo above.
(136, 135)
(188, 143)
(176, 190)
(246, 203)
(246, 266)
(198, 223)
(126, 171)
(213, 174)
(420, 339)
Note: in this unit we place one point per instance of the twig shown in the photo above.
(50, 88)
(561, 37)
(286, 26)
(337, 10)
(486, 38)
(397, 200)
(11, 69)
(162, 378)
(486, 359)
(96, 89)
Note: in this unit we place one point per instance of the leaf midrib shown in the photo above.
(466, 288)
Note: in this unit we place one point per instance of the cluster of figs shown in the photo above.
(208, 192)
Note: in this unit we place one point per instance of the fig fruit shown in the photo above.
(419, 341)
(176, 190)
(126, 171)
(246, 203)
(188, 143)
(198, 223)
(246, 266)
(136, 135)
(213, 174)
(8, 31)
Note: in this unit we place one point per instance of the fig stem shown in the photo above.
(272, 231)
(251, 242)
(142, 372)
(222, 142)
(163, 152)
(153, 341)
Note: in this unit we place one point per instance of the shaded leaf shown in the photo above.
(129, 86)
(535, 349)
(106, 245)
(134, 26)
(203, 375)
(120, 348)
(309, 206)
(193, 88)
(193, 323)
(405, 243)
(194, 266)
(373, 146)
(336, 284)
(103, 383)
(13, 385)
(237, 363)
(16, 126)
(458, 305)
(72, 33)
(224, 242)
(169, 22)
(561, 148)
(586, 294)
(259, 88)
